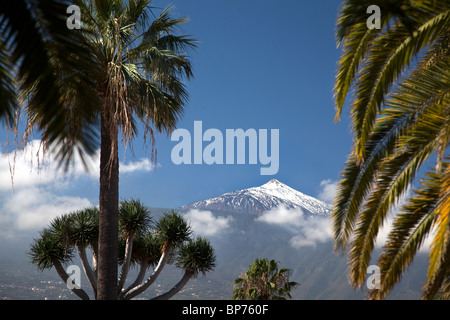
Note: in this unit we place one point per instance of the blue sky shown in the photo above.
(260, 65)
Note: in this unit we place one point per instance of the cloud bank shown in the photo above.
(33, 190)
(328, 191)
(203, 223)
(309, 231)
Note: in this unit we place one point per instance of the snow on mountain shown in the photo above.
(263, 198)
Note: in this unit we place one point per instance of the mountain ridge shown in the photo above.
(270, 195)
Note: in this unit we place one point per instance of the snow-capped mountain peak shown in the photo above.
(273, 184)
(263, 198)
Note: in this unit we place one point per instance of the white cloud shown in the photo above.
(313, 231)
(283, 216)
(24, 167)
(204, 223)
(30, 166)
(143, 164)
(328, 191)
(309, 230)
(32, 187)
(32, 208)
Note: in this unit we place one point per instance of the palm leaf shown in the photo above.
(48, 60)
(391, 54)
(440, 249)
(416, 143)
(426, 86)
(409, 230)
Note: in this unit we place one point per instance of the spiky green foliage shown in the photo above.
(58, 241)
(147, 249)
(134, 217)
(84, 227)
(196, 256)
(264, 280)
(142, 244)
(48, 249)
(173, 228)
(401, 82)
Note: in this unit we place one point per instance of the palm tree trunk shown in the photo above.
(109, 205)
(169, 294)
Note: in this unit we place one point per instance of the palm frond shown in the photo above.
(400, 120)
(397, 168)
(440, 248)
(423, 88)
(389, 57)
(355, 38)
(8, 93)
(409, 230)
(48, 62)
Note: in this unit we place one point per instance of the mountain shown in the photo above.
(303, 245)
(261, 199)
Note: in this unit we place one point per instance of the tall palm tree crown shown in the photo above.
(399, 80)
(264, 280)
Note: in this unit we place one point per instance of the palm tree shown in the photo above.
(140, 68)
(121, 68)
(400, 80)
(195, 257)
(264, 280)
